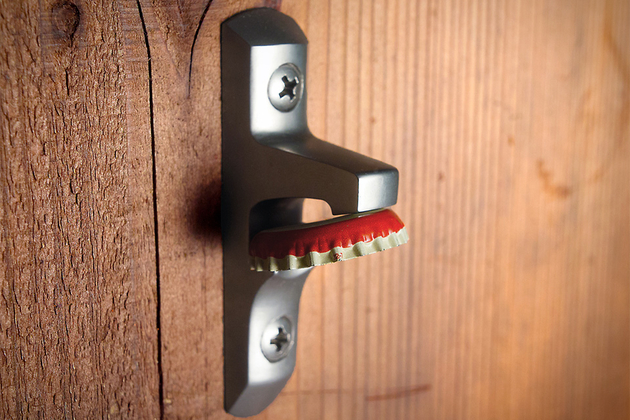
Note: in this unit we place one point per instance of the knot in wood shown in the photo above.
(65, 18)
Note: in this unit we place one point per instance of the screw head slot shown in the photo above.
(277, 339)
(285, 87)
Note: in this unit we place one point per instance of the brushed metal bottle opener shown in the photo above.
(271, 162)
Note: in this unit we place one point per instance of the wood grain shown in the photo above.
(508, 120)
(77, 308)
(183, 38)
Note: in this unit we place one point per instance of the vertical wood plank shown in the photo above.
(495, 114)
(184, 46)
(77, 314)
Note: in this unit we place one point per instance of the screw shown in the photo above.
(277, 339)
(285, 87)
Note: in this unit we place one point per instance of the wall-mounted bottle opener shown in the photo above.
(271, 162)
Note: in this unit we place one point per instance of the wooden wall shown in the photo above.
(508, 120)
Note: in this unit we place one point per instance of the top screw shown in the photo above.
(285, 87)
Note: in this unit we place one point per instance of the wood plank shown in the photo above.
(77, 314)
(183, 39)
(509, 123)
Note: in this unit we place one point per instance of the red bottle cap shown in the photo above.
(325, 242)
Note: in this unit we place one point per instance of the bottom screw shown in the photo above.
(277, 339)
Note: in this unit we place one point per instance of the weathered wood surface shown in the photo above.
(185, 73)
(509, 122)
(78, 335)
